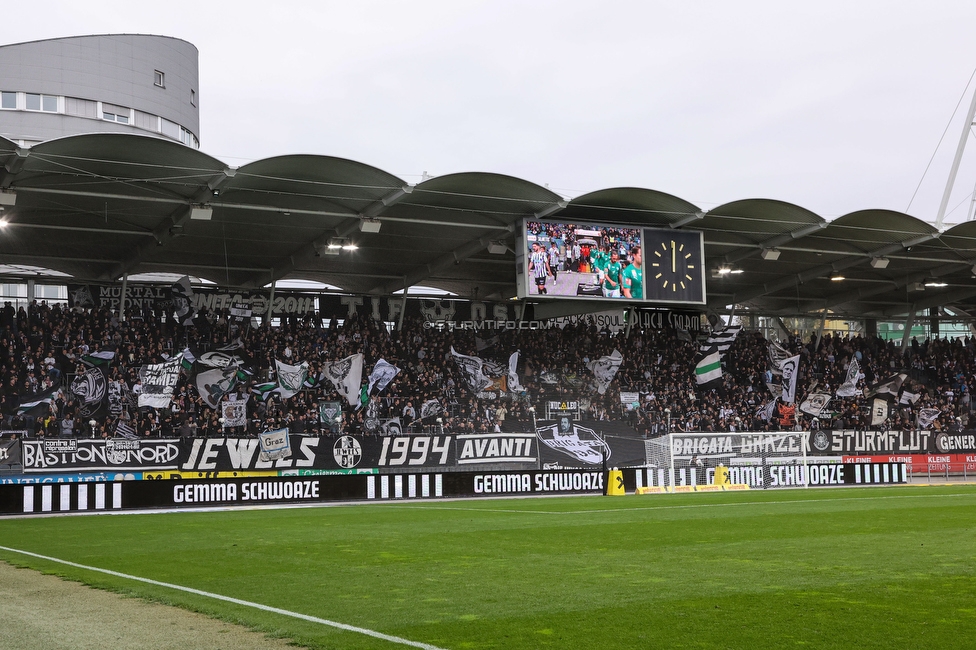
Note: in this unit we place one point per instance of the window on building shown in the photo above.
(38, 102)
(159, 79)
(193, 97)
(114, 113)
(8, 100)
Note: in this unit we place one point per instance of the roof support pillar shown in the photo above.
(909, 324)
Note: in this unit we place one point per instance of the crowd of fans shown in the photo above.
(43, 348)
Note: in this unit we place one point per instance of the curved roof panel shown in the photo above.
(630, 205)
(102, 205)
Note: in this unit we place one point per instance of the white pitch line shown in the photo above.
(236, 601)
(677, 507)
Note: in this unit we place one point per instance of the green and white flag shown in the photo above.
(290, 378)
(100, 358)
(709, 367)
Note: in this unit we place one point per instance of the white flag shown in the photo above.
(879, 411)
(346, 376)
(789, 368)
(514, 385)
(605, 369)
(290, 378)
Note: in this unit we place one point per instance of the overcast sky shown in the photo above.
(834, 106)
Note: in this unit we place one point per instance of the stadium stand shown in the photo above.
(47, 348)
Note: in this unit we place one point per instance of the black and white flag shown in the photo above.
(115, 402)
(472, 369)
(766, 412)
(908, 397)
(849, 387)
(383, 373)
(290, 378)
(927, 416)
(430, 408)
(722, 340)
(181, 293)
(89, 390)
(214, 384)
(38, 403)
(605, 369)
(240, 312)
(889, 386)
(125, 430)
(347, 377)
(777, 355)
(158, 383)
(790, 369)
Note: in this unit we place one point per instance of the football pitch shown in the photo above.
(826, 568)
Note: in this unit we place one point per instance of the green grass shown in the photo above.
(841, 568)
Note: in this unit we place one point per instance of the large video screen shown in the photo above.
(600, 261)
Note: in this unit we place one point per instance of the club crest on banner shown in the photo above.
(575, 441)
(347, 452)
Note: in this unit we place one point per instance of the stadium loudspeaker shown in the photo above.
(615, 483)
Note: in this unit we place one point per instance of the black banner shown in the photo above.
(817, 475)
(70, 454)
(522, 483)
(10, 454)
(567, 444)
(464, 314)
(850, 442)
(158, 297)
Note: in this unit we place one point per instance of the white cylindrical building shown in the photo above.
(103, 83)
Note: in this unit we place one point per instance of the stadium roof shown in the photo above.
(98, 206)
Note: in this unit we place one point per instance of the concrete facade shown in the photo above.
(104, 83)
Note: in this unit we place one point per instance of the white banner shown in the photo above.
(158, 382)
(274, 445)
(815, 403)
(234, 413)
